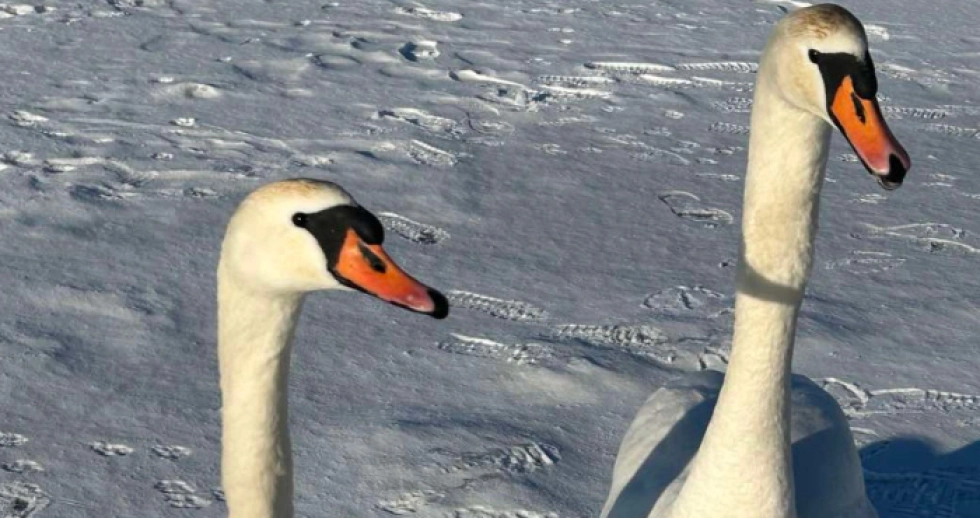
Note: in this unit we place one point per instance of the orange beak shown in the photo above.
(864, 127)
(368, 268)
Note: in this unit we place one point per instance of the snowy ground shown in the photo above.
(569, 171)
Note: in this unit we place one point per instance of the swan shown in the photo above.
(759, 442)
(284, 240)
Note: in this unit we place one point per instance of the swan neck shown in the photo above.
(255, 332)
(743, 468)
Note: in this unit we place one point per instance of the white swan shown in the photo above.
(762, 443)
(286, 239)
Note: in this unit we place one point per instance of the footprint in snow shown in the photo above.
(171, 452)
(428, 155)
(688, 206)
(410, 502)
(22, 500)
(107, 449)
(417, 152)
(419, 233)
(500, 308)
(917, 400)
(733, 105)
(864, 439)
(480, 511)
(728, 128)
(516, 98)
(849, 396)
(429, 14)
(858, 403)
(641, 340)
(866, 262)
(419, 50)
(22, 466)
(695, 301)
(475, 76)
(740, 67)
(421, 119)
(12, 10)
(938, 238)
(947, 130)
(518, 354)
(181, 495)
(901, 112)
(9, 440)
(872, 198)
(628, 68)
(574, 81)
(491, 128)
(516, 459)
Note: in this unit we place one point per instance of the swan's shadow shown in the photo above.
(907, 478)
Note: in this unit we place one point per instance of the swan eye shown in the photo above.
(299, 219)
(814, 55)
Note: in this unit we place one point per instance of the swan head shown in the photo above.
(297, 236)
(819, 59)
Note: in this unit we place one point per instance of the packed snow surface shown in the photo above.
(569, 172)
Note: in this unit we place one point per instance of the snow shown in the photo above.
(568, 172)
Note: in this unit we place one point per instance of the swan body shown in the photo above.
(285, 240)
(760, 442)
(669, 427)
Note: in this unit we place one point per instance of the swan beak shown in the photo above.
(864, 127)
(368, 268)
